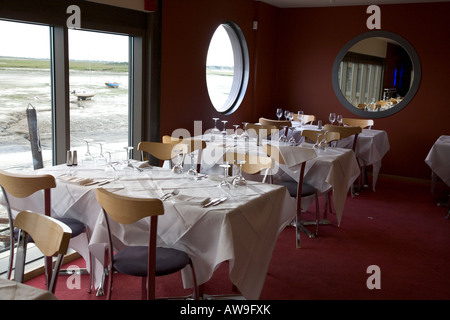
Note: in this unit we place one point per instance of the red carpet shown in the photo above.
(398, 228)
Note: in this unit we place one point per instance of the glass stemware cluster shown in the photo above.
(333, 117)
(238, 184)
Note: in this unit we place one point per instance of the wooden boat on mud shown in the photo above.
(83, 95)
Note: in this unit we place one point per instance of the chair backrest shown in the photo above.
(345, 131)
(126, 210)
(307, 118)
(22, 186)
(253, 163)
(160, 150)
(191, 145)
(260, 131)
(277, 123)
(302, 154)
(363, 123)
(332, 136)
(311, 136)
(49, 235)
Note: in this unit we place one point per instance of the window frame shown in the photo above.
(141, 27)
(241, 68)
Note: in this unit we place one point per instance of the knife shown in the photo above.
(214, 202)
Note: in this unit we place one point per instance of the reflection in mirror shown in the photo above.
(376, 74)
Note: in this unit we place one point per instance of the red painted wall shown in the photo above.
(310, 40)
(292, 55)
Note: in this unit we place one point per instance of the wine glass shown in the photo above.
(283, 137)
(101, 157)
(224, 131)
(244, 136)
(127, 163)
(332, 117)
(291, 116)
(286, 114)
(178, 167)
(215, 131)
(317, 144)
(291, 140)
(88, 157)
(239, 182)
(339, 119)
(279, 113)
(192, 172)
(300, 117)
(109, 168)
(236, 127)
(224, 183)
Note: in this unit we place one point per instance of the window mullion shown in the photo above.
(60, 93)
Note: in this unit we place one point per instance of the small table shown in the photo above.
(438, 159)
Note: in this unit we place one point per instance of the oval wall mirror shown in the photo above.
(376, 74)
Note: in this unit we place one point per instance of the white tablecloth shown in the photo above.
(371, 146)
(333, 168)
(12, 290)
(438, 158)
(242, 230)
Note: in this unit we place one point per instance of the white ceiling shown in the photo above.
(335, 3)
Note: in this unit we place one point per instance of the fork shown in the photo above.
(170, 194)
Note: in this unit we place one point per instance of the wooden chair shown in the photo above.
(161, 151)
(23, 186)
(298, 188)
(345, 132)
(148, 261)
(363, 123)
(307, 118)
(277, 123)
(311, 136)
(192, 146)
(51, 236)
(254, 164)
(260, 131)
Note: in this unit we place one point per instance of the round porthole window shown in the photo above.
(227, 67)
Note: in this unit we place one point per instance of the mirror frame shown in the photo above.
(412, 90)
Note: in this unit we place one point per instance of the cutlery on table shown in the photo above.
(215, 202)
(170, 194)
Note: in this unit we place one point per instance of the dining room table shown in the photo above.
(334, 168)
(242, 230)
(371, 146)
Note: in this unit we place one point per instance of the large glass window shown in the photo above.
(227, 68)
(99, 97)
(25, 81)
(360, 80)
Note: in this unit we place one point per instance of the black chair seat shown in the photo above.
(292, 186)
(76, 226)
(133, 261)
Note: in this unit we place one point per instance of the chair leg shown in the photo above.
(317, 213)
(194, 279)
(297, 231)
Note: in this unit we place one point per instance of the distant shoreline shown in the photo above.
(82, 65)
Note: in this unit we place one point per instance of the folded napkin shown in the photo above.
(76, 180)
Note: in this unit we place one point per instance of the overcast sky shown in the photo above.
(33, 41)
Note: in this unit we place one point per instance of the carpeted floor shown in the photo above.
(399, 228)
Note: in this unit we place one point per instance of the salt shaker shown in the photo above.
(69, 160)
